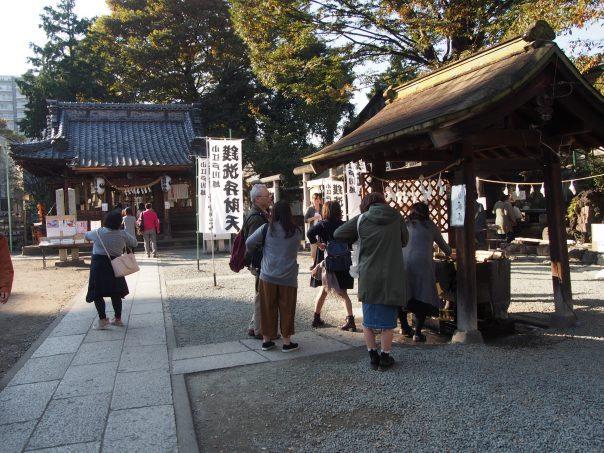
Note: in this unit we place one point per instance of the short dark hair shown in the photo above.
(128, 211)
(148, 206)
(113, 220)
(372, 198)
(317, 195)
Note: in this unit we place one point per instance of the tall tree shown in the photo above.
(423, 34)
(62, 67)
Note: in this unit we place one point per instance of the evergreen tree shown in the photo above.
(62, 67)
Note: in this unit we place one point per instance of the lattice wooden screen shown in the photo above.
(404, 193)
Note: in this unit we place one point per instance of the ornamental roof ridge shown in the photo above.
(121, 106)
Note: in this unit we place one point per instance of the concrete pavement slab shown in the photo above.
(146, 306)
(15, 435)
(20, 403)
(142, 388)
(88, 447)
(145, 320)
(59, 345)
(72, 326)
(189, 352)
(144, 430)
(87, 380)
(354, 339)
(144, 358)
(111, 333)
(43, 369)
(98, 352)
(72, 420)
(145, 336)
(216, 362)
(310, 344)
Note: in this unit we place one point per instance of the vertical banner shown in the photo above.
(353, 172)
(333, 191)
(203, 195)
(226, 185)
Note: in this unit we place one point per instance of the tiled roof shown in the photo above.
(468, 88)
(93, 135)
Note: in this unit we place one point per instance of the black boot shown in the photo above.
(349, 324)
(317, 321)
(374, 359)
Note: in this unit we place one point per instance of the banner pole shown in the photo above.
(198, 213)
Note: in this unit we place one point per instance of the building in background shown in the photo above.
(12, 102)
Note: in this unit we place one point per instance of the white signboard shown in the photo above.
(203, 195)
(220, 188)
(458, 205)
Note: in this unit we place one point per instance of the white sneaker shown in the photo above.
(117, 322)
(102, 324)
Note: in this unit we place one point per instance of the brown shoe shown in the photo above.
(349, 324)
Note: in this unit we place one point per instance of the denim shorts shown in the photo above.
(379, 316)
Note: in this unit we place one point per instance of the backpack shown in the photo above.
(238, 255)
(337, 256)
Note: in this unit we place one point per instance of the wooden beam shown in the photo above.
(523, 138)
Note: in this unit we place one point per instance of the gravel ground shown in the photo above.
(539, 390)
(203, 313)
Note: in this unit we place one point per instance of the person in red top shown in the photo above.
(149, 222)
(6, 270)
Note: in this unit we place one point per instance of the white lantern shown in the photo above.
(165, 183)
(100, 185)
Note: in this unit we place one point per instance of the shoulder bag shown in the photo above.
(122, 265)
(356, 250)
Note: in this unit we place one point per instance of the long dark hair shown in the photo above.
(282, 214)
(332, 211)
(372, 198)
(418, 212)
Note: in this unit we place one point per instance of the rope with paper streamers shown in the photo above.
(571, 187)
(138, 189)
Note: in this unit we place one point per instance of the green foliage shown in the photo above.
(414, 34)
(63, 67)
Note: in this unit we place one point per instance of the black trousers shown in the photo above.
(116, 301)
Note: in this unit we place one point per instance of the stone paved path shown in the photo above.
(122, 389)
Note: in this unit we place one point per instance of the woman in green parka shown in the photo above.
(383, 234)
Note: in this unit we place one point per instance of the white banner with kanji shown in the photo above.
(354, 184)
(204, 224)
(226, 185)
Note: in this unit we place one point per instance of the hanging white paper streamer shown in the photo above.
(572, 188)
(542, 190)
(517, 190)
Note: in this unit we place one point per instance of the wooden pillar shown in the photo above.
(467, 318)
(166, 228)
(276, 191)
(564, 315)
(378, 168)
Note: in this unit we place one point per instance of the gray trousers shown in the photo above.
(255, 321)
(150, 238)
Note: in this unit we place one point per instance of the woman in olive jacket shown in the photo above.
(382, 285)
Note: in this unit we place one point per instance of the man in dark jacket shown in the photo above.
(257, 216)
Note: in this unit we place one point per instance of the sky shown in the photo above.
(19, 26)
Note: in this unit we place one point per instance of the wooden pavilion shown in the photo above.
(518, 106)
(121, 153)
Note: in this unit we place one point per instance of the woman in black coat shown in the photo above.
(340, 281)
(108, 243)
